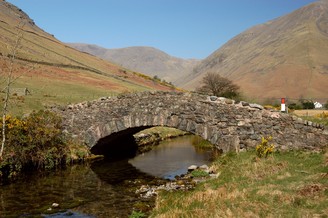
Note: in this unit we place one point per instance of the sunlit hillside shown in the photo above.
(54, 72)
(285, 57)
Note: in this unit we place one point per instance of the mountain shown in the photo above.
(285, 57)
(147, 60)
(54, 72)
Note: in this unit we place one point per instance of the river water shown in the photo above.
(100, 189)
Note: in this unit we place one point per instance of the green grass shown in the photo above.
(50, 94)
(323, 121)
(201, 143)
(164, 132)
(137, 215)
(199, 173)
(293, 184)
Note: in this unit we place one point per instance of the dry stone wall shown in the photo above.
(227, 124)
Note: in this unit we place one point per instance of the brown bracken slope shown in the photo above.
(59, 70)
(285, 57)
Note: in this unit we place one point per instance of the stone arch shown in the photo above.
(225, 123)
(120, 139)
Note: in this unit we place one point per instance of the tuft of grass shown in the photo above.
(136, 214)
(292, 184)
(199, 173)
(201, 143)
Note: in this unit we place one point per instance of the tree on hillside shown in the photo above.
(214, 84)
(9, 75)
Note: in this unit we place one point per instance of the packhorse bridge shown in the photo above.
(111, 121)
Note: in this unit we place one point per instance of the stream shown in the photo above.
(100, 189)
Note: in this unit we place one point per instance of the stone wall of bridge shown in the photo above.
(225, 123)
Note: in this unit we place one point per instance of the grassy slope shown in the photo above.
(60, 74)
(290, 184)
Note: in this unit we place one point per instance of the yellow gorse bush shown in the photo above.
(264, 149)
(34, 140)
(322, 115)
(14, 122)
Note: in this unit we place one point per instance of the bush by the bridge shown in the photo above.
(265, 148)
(35, 141)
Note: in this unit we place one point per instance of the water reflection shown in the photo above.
(117, 172)
(171, 158)
(102, 189)
(105, 192)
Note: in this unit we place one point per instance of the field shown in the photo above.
(310, 113)
(317, 116)
(293, 184)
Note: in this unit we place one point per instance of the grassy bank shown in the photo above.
(293, 184)
(149, 138)
(163, 132)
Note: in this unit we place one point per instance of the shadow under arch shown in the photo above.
(118, 145)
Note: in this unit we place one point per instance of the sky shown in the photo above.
(181, 28)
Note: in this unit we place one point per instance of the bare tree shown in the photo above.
(9, 78)
(214, 84)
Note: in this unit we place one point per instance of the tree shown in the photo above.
(214, 84)
(156, 78)
(10, 76)
(307, 104)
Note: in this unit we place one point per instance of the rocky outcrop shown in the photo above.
(229, 125)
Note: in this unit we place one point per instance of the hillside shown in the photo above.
(58, 73)
(147, 60)
(285, 57)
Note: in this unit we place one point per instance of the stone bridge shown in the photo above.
(111, 121)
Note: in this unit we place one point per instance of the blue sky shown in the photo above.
(182, 28)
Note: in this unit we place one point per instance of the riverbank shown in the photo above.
(289, 184)
(149, 138)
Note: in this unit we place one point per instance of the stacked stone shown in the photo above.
(228, 124)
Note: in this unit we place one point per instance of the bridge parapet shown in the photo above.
(227, 124)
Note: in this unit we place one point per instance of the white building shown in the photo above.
(317, 105)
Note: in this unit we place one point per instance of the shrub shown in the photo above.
(323, 115)
(264, 149)
(308, 105)
(33, 142)
(294, 106)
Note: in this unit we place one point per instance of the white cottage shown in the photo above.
(317, 105)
